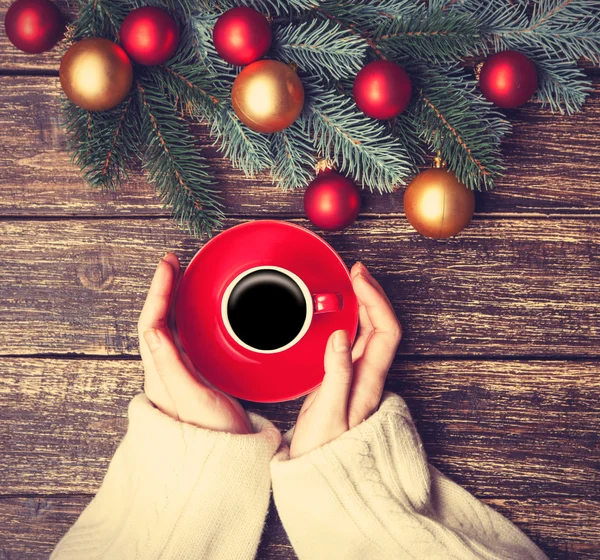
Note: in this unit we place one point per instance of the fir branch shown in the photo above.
(248, 150)
(561, 28)
(98, 18)
(322, 48)
(404, 128)
(224, 73)
(192, 87)
(358, 145)
(102, 144)
(173, 164)
(365, 16)
(561, 84)
(293, 156)
(436, 36)
(455, 119)
(268, 7)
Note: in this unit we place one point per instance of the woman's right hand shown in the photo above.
(171, 381)
(353, 384)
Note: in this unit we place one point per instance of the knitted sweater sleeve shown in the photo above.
(370, 494)
(175, 491)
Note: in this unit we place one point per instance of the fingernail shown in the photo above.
(152, 339)
(341, 341)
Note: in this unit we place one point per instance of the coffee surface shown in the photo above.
(266, 309)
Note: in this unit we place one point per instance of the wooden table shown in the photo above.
(500, 362)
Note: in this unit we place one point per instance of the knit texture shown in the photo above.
(175, 491)
(371, 494)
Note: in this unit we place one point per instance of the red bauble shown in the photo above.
(34, 26)
(382, 89)
(242, 35)
(149, 35)
(508, 79)
(332, 201)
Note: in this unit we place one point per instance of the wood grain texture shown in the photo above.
(31, 527)
(502, 429)
(521, 435)
(551, 167)
(505, 287)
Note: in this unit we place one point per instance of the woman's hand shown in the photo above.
(170, 380)
(354, 379)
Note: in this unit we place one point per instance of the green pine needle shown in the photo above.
(433, 36)
(293, 156)
(171, 160)
(103, 143)
(358, 145)
(455, 119)
(322, 48)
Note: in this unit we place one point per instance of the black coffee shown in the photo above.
(266, 309)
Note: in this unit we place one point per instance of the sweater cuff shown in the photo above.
(384, 450)
(174, 490)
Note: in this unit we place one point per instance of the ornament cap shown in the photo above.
(293, 66)
(438, 162)
(324, 166)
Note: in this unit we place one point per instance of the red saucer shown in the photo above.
(236, 370)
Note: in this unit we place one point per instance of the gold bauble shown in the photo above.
(437, 204)
(96, 74)
(267, 96)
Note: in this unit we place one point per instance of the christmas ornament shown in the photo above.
(332, 201)
(437, 204)
(34, 26)
(96, 74)
(508, 79)
(149, 35)
(267, 96)
(382, 89)
(242, 35)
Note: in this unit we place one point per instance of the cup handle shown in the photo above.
(325, 303)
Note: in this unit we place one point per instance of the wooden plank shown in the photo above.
(564, 529)
(500, 428)
(551, 166)
(503, 288)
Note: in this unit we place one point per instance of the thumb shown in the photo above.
(335, 388)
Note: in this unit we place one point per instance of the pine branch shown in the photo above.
(247, 150)
(224, 73)
(454, 118)
(365, 16)
(434, 36)
(267, 7)
(322, 48)
(561, 84)
(560, 28)
(173, 164)
(99, 18)
(358, 145)
(102, 144)
(293, 156)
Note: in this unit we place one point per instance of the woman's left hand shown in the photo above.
(354, 378)
(171, 382)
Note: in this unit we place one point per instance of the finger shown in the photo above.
(335, 388)
(157, 301)
(365, 328)
(156, 308)
(185, 390)
(371, 369)
(362, 269)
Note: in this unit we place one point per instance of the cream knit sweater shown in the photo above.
(174, 491)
